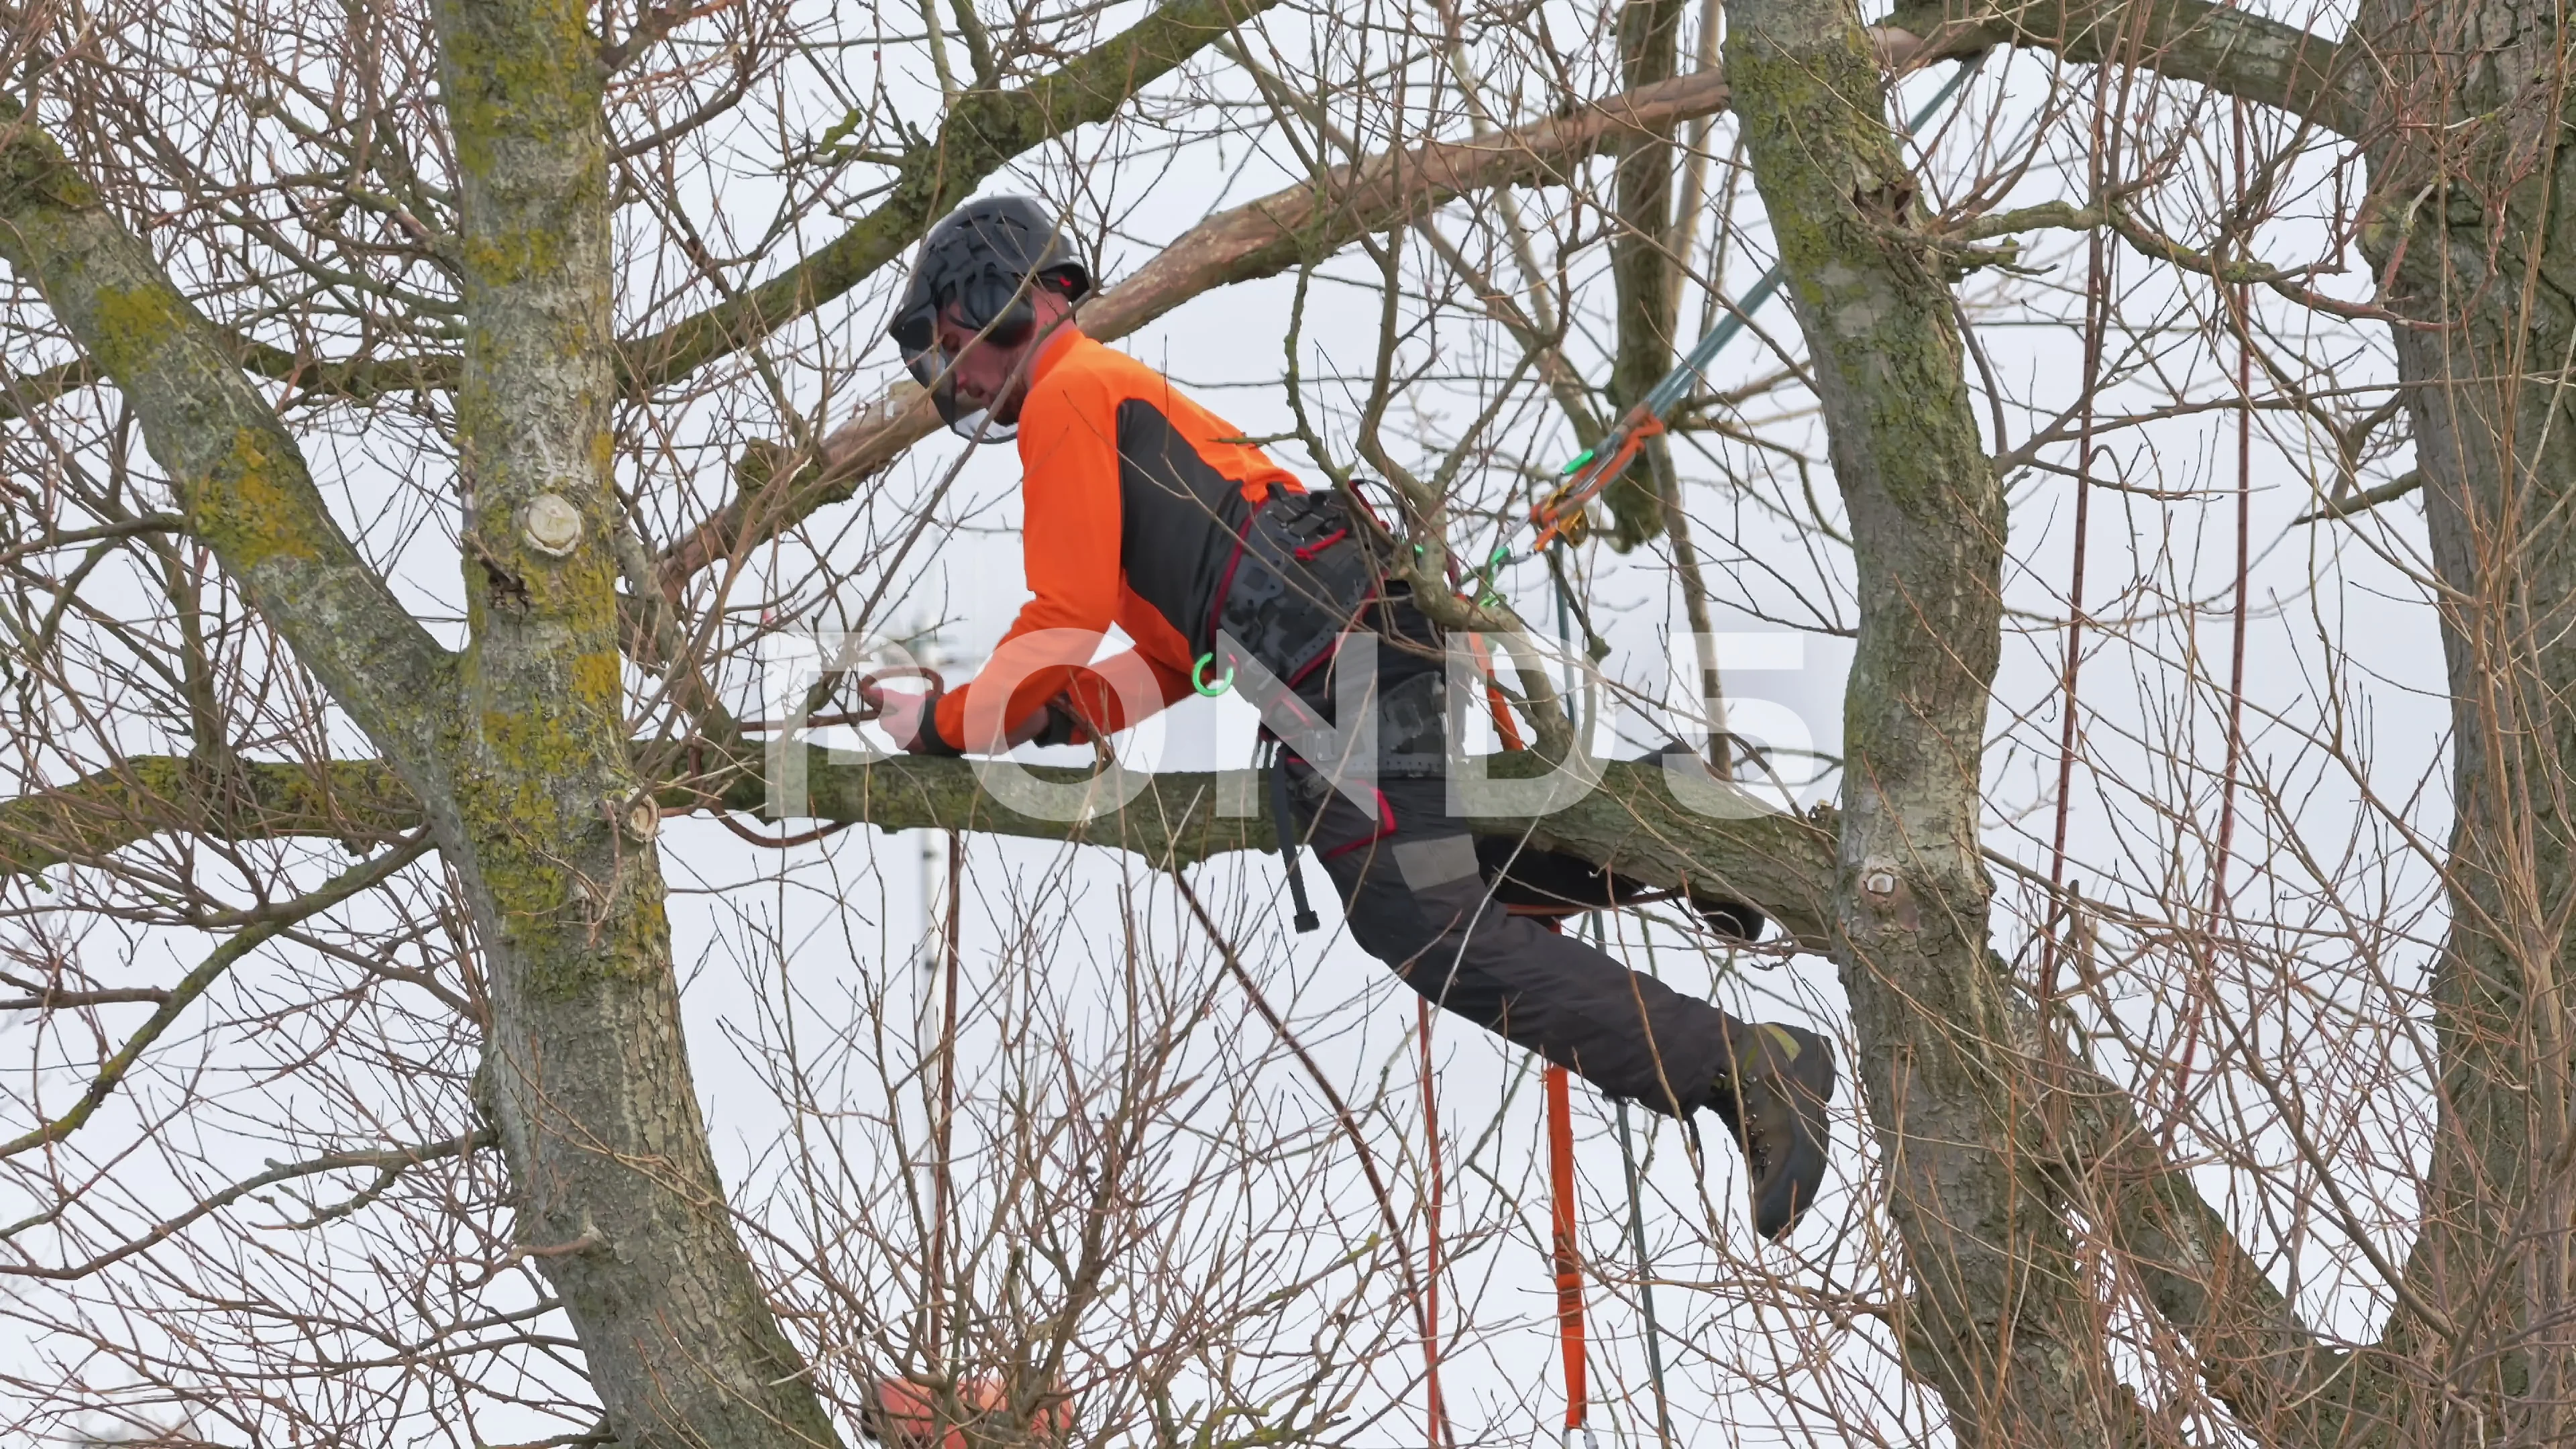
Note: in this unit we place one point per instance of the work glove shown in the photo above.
(911, 721)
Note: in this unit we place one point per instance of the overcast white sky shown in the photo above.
(2341, 631)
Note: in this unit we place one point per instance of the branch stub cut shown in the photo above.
(641, 817)
(551, 525)
(1878, 878)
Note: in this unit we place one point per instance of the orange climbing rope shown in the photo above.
(1569, 1261)
(1563, 1249)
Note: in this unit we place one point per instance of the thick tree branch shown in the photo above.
(1633, 823)
(1258, 239)
(2273, 1372)
(1641, 269)
(2229, 49)
(240, 479)
(357, 802)
(984, 130)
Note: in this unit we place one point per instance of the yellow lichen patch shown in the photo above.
(533, 748)
(595, 678)
(511, 254)
(578, 592)
(133, 323)
(243, 509)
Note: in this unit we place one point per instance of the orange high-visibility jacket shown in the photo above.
(1133, 506)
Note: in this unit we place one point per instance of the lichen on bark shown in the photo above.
(1997, 1321)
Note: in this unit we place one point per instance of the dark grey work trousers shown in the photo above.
(1415, 899)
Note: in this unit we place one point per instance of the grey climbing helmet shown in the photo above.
(986, 259)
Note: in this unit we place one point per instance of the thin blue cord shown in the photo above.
(1677, 383)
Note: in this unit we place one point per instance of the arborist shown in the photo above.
(1145, 510)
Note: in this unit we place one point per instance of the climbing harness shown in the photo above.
(1278, 766)
(1561, 514)
(1297, 573)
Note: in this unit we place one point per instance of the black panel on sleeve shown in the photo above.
(1180, 521)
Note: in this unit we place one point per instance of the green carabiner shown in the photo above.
(1198, 677)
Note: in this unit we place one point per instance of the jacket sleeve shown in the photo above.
(1123, 689)
(1069, 542)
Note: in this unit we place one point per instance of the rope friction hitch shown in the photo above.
(1561, 514)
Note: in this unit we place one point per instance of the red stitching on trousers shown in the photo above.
(1386, 827)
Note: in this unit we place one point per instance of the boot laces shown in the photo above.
(1757, 1144)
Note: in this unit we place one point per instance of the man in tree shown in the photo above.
(1142, 509)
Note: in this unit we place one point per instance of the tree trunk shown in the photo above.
(1641, 265)
(1999, 1322)
(2471, 227)
(585, 1074)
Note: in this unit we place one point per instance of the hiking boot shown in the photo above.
(1772, 1100)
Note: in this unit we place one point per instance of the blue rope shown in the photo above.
(1677, 383)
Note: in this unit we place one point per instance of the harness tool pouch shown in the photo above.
(1299, 578)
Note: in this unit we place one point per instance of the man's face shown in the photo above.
(988, 375)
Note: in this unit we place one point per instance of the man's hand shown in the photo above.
(904, 716)
(908, 722)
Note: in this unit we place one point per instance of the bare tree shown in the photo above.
(423, 423)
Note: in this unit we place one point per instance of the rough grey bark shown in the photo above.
(1999, 1321)
(585, 1074)
(2468, 220)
